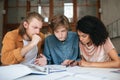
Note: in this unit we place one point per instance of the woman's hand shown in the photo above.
(84, 63)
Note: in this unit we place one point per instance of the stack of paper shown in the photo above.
(15, 71)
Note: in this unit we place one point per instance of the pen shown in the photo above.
(70, 63)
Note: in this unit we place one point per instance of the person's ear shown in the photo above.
(25, 24)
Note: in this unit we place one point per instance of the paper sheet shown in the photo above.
(13, 71)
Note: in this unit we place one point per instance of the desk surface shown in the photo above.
(81, 73)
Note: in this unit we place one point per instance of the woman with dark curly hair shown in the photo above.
(96, 47)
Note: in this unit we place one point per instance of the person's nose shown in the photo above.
(80, 38)
(60, 34)
(37, 31)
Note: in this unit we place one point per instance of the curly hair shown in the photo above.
(94, 27)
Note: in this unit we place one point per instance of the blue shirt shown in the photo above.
(57, 51)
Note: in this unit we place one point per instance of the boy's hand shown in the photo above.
(69, 63)
(41, 61)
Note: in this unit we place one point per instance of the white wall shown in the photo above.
(110, 10)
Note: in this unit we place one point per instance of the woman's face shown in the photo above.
(84, 38)
(61, 33)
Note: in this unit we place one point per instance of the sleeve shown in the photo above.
(10, 53)
(108, 45)
(77, 49)
(46, 51)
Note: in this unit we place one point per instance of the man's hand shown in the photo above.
(35, 39)
(41, 61)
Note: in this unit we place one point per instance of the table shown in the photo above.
(78, 73)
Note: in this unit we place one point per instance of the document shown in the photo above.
(116, 71)
(46, 69)
(56, 68)
(18, 70)
(88, 73)
(13, 71)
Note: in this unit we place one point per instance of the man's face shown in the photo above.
(33, 27)
(61, 33)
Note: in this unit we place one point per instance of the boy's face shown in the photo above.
(33, 27)
(61, 33)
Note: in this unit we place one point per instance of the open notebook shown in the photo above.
(18, 70)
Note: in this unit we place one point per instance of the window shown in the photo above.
(68, 11)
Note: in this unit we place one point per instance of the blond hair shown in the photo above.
(59, 20)
(28, 19)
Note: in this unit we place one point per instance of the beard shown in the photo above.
(29, 37)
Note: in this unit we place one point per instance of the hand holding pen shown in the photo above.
(70, 63)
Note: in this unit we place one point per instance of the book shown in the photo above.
(15, 71)
(46, 69)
